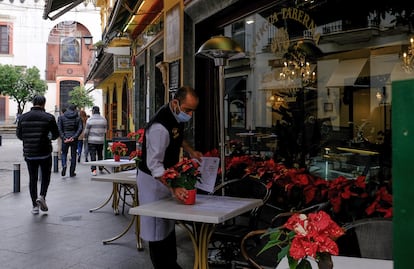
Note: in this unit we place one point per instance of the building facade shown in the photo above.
(56, 48)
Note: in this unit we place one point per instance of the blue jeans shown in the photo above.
(80, 147)
(65, 148)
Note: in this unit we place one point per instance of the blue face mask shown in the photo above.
(182, 116)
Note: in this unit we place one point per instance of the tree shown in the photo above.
(79, 96)
(21, 84)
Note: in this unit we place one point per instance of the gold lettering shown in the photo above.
(306, 20)
(295, 14)
(300, 15)
(273, 18)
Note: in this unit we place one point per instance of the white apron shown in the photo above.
(150, 190)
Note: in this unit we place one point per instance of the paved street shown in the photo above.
(68, 236)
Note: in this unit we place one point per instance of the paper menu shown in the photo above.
(208, 169)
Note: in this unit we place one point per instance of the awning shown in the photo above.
(60, 7)
(381, 67)
(119, 16)
(346, 73)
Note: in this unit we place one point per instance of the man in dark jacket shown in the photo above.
(70, 127)
(36, 128)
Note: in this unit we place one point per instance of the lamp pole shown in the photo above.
(221, 112)
(221, 48)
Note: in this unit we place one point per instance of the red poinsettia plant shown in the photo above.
(304, 236)
(118, 148)
(138, 136)
(184, 174)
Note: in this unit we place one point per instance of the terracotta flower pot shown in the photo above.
(191, 197)
(117, 158)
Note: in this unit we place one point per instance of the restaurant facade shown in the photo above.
(325, 85)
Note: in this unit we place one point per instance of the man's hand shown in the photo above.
(180, 193)
(68, 140)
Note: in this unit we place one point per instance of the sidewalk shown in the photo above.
(68, 236)
(11, 153)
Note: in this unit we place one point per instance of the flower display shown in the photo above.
(304, 236)
(184, 174)
(297, 188)
(118, 148)
(138, 136)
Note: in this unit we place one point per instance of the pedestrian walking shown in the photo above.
(36, 129)
(95, 130)
(70, 127)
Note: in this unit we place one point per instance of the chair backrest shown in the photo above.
(281, 218)
(246, 187)
(374, 237)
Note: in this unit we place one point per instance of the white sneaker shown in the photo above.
(93, 173)
(41, 202)
(35, 210)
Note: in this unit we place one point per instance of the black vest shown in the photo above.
(165, 117)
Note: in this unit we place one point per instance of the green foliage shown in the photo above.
(278, 237)
(80, 97)
(21, 84)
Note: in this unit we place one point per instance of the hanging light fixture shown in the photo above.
(296, 67)
(408, 57)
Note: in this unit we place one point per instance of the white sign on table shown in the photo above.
(208, 169)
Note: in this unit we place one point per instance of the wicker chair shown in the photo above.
(374, 237)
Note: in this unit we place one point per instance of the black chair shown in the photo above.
(374, 237)
(225, 241)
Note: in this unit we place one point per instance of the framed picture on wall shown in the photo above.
(70, 50)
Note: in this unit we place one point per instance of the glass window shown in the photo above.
(324, 92)
(5, 39)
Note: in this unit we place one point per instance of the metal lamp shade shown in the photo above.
(220, 47)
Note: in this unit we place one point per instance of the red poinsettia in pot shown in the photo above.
(306, 236)
(184, 174)
(117, 149)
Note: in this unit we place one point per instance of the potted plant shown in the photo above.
(184, 174)
(118, 149)
(138, 136)
(306, 236)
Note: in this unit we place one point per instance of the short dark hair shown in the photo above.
(72, 107)
(183, 91)
(95, 110)
(39, 100)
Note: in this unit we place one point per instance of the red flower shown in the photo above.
(138, 136)
(184, 174)
(118, 148)
(382, 203)
(305, 236)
